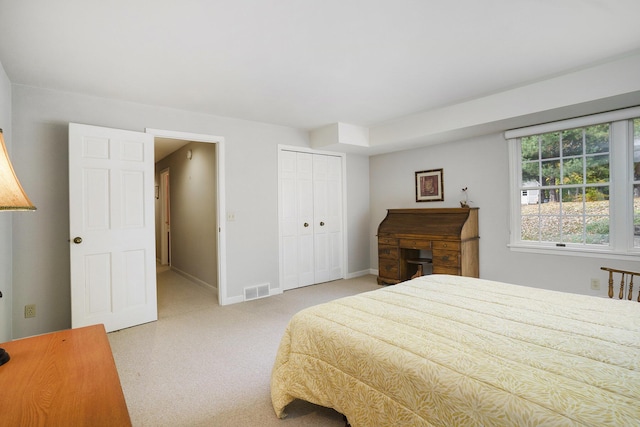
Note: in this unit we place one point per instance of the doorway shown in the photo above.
(167, 239)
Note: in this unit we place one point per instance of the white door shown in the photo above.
(310, 218)
(327, 195)
(111, 224)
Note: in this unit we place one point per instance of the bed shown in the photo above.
(445, 350)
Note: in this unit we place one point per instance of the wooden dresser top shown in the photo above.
(63, 378)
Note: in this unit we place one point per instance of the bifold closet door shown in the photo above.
(327, 208)
(310, 218)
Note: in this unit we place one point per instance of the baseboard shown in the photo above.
(195, 279)
(359, 274)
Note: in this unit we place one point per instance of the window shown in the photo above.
(575, 185)
(636, 183)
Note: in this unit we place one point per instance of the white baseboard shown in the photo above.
(195, 279)
(359, 274)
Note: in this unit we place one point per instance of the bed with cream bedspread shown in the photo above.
(455, 351)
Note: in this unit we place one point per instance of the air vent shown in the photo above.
(256, 292)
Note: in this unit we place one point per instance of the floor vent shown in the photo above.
(256, 292)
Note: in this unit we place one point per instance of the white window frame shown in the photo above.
(620, 190)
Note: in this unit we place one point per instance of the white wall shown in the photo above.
(5, 217)
(41, 251)
(358, 214)
(481, 164)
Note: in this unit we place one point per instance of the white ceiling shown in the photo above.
(306, 63)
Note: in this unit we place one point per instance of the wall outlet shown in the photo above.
(29, 310)
(595, 284)
(231, 216)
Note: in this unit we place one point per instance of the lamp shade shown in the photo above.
(12, 196)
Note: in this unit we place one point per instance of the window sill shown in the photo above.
(577, 252)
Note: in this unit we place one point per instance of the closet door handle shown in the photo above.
(321, 224)
(306, 224)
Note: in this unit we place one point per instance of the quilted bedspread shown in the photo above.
(455, 351)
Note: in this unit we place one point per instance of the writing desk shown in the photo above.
(65, 378)
(408, 238)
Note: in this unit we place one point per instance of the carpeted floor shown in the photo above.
(202, 364)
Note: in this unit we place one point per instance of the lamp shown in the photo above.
(12, 198)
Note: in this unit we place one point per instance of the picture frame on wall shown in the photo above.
(430, 186)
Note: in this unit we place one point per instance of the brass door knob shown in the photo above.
(306, 224)
(77, 240)
(321, 224)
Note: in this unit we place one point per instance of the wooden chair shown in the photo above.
(626, 281)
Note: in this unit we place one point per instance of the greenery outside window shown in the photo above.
(575, 185)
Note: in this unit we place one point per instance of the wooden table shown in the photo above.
(65, 378)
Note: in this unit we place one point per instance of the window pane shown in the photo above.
(636, 149)
(551, 205)
(597, 139)
(597, 230)
(530, 173)
(572, 171)
(572, 142)
(550, 229)
(572, 215)
(598, 169)
(636, 216)
(529, 148)
(530, 226)
(598, 194)
(572, 228)
(550, 145)
(597, 215)
(545, 196)
(551, 173)
(572, 200)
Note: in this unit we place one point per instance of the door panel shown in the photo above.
(304, 224)
(111, 177)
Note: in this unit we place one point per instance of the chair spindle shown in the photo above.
(623, 282)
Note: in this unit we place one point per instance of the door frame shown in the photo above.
(165, 209)
(345, 234)
(219, 142)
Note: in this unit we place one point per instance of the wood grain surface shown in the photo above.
(61, 379)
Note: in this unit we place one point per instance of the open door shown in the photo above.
(111, 224)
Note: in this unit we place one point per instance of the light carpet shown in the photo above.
(202, 364)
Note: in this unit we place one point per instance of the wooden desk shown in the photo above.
(447, 236)
(65, 378)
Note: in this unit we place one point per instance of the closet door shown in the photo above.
(310, 218)
(305, 222)
(327, 197)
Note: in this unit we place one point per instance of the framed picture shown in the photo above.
(429, 186)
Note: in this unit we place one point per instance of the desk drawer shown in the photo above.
(415, 244)
(388, 268)
(388, 251)
(387, 241)
(448, 246)
(446, 259)
(446, 270)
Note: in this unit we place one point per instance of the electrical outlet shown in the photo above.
(231, 216)
(29, 310)
(595, 284)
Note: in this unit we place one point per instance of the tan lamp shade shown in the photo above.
(12, 196)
